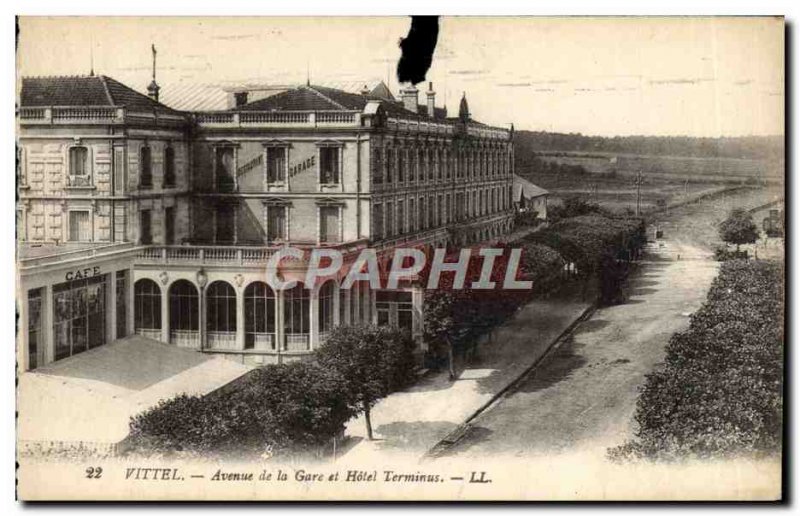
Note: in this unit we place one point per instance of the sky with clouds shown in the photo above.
(603, 76)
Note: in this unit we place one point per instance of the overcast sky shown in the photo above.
(613, 76)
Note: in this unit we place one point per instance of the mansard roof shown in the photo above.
(85, 90)
(322, 98)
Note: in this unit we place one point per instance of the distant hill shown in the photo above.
(528, 143)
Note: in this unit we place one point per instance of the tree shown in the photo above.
(373, 360)
(738, 228)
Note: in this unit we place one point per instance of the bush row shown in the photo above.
(283, 407)
(720, 392)
(599, 245)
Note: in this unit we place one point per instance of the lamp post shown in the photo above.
(202, 279)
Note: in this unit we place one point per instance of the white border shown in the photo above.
(312, 7)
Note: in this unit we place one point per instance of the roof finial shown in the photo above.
(91, 56)
(153, 48)
(153, 88)
(308, 73)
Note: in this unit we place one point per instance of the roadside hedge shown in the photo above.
(720, 392)
(282, 407)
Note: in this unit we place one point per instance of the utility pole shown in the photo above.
(638, 192)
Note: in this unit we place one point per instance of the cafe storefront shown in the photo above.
(72, 304)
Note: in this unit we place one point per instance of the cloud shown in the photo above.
(743, 83)
(544, 90)
(681, 81)
(240, 37)
(468, 72)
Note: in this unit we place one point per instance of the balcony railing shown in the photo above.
(225, 255)
(205, 255)
(93, 115)
(279, 118)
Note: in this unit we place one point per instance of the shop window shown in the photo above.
(78, 316)
(35, 342)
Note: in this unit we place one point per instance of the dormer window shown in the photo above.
(79, 167)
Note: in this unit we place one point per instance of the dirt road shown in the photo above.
(582, 397)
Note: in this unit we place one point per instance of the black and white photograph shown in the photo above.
(400, 258)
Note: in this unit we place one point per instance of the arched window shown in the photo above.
(184, 313)
(325, 306)
(169, 166)
(221, 309)
(296, 318)
(259, 316)
(147, 308)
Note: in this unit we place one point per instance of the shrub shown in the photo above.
(277, 406)
(373, 360)
(720, 392)
(289, 405)
(738, 228)
(184, 423)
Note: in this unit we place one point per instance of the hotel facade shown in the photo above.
(135, 218)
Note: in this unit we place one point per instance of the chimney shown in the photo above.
(431, 100)
(409, 95)
(240, 98)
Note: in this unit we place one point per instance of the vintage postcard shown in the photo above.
(400, 258)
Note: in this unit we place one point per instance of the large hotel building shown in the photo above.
(137, 218)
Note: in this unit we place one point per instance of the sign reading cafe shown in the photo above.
(80, 274)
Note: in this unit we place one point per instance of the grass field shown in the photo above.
(619, 193)
(673, 167)
(665, 179)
